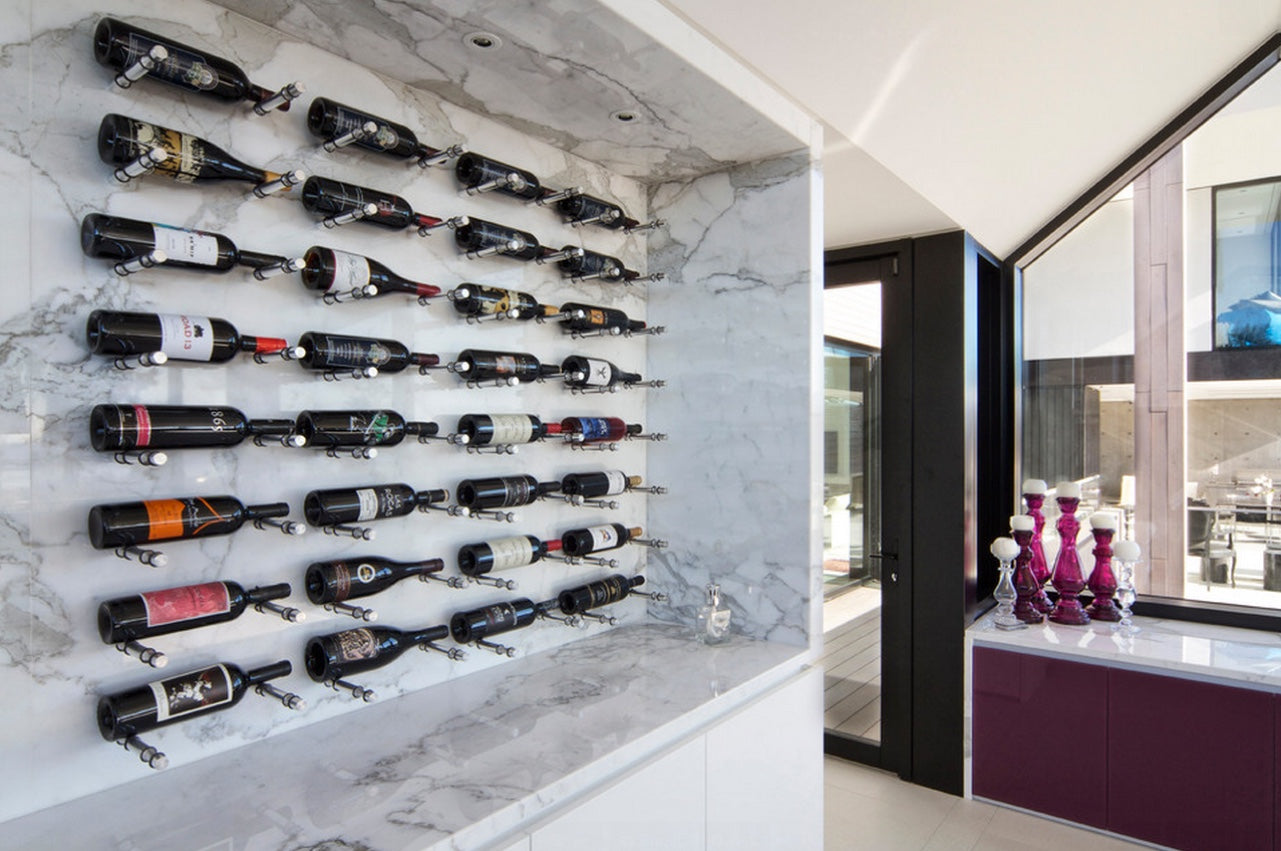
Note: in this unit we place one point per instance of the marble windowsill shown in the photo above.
(1241, 657)
(449, 767)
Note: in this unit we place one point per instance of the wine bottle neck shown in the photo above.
(264, 593)
(431, 633)
(548, 487)
(554, 545)
(262, 345)
(269, 672)
(425, 221)
(422, 428)
(266, 510)
(431, 496)
(270, 428)
(431, 565)
(424, 359)
(257, 260)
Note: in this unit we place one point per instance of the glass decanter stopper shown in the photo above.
(1068, 579)
(1006, 550)
(1102, 580)
(1034, 495)
(1025, 585)
(713, 618)
(1127, 553)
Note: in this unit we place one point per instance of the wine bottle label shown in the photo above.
(517, 491)
(174, 605)
(376, 429)
(504, 365)
(345, 121)
(180, 518)
(603, 537)
(491, 301)
(182, 67)
(354, 353)
(191, 246)
(186, 337)
(141, 425)
(598, 372)
(594, 428)
(595, 317)
(186, 152)
(511, 552)
(356, 644)
(617, 482)
(512, 428)
(350, 270)
(607, 591)
(502, 615)
(182, 695)
(368, 503)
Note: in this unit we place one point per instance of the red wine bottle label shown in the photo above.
(141, 426)
(350, 270)
(505, 365)
(182, 66)
(511, 552)
(617, 482)
(191, 246)
(174, 605)
(598, 372)
(187, 693)
(356, 644)
(179, 518)
(603, 537)
(186, 337)
(512, 428)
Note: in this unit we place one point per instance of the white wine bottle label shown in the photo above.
(173, 605)
(511, 552)
(617, 482)
(597, 373)
(505, 365)
(191, 246)
(603, 537)
(368, 503)
(186, 337)
(512, 428)
(187, 693)
(356, 644)
(350, 270)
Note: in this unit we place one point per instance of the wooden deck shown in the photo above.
(852, 677)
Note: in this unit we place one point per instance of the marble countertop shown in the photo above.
(1243, 657)
(450, 767)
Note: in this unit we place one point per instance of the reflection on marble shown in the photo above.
(455, 765)
(1244, 657)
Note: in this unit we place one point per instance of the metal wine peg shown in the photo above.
(500, 649)
(552, 198)
(146, 655)
(148, 62)
(611, 504)
(151, 558)
(339, 375)
(137, 264)
(441, 157)
(656, 596)
(287, 266)
(456, 654)
(144, 164)
(288, 353)
(358, 692)
(353, 294)
(655, 276)
(426, 438)
(287, 698)
(593, 447)
(609, 216)
(451, 510)
(496, 516)
(453, 223)
(594, 391)
(151, 757)
(360, 533)
(292, 441)
(563, 254)
(493, 449)
(543, 611)
(357, 612)
(655, 330)
(650, 225)
(603, 332)
(360, 453)
(655, 543)
(609, 620)
(287, 613)
(603, 562)
(288, 527)
(427, 368)
(511, 180)
(510, 381)
(275, 101)
(657, 490)
(655, 383)
(451, 581)
(286, 181)
(502, 584)
(656, 436)
(351, 137)
(350, 216)
(146, 457)
(508, 247)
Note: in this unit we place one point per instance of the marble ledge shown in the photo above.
(456, 766)
(1218, 654)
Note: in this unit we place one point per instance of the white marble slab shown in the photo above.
(452, 767)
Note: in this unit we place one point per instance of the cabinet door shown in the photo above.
(1039, 735)
(1191, 764)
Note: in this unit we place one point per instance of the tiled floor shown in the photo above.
(865, 808)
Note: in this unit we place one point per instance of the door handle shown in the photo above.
(883, 556)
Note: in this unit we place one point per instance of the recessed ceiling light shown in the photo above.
(482, 41)
(626, 116)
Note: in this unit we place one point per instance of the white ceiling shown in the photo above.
(991, 115)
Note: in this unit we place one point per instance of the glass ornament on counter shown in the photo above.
(1068, 578)
(1006, 551)
(712, 623)
(1034, 491)
(1026, 587)
(1127, 553)
(1102, 582)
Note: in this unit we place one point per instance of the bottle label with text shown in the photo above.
(186, 337)
(356, 644)
(512, 428)
(174, 605)
(511, 552)
(198, 690)
(350, 270)
(190, 246)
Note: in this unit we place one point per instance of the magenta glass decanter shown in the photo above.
(1102, 582)
(1025, 585)
(1034, 495)
(1068, 579)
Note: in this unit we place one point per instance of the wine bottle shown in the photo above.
(326, 197)
(479, 624)
(498, 429)
(334, 351)
(126, 524)
(596, 485)
(590, 317)
(479, 237)
(503, 554)
(474, 171)
(600, 593)
(502, 491)
(374, 502)
(329, 270)
(582, 371)
(588, 208)
(122, 140)
(329, 119)
(342, 654)
(118, 45)
(590, 264)
(595, 539)
(475, 300)
(598, 429)
(169, 610)
(348, 579)
(358, 428)
(156, 704)
(180, 336)
(117, 428)
(120, 239)
(487, 365)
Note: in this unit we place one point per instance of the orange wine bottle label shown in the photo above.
(164, 519)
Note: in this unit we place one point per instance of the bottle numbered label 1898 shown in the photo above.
(187, 693)
(511, 552)
(190, 246)
(174, 605)
(512, 428)
(186, 337)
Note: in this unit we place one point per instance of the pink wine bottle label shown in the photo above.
(187, 693)
(174, 605)
(141, 426)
